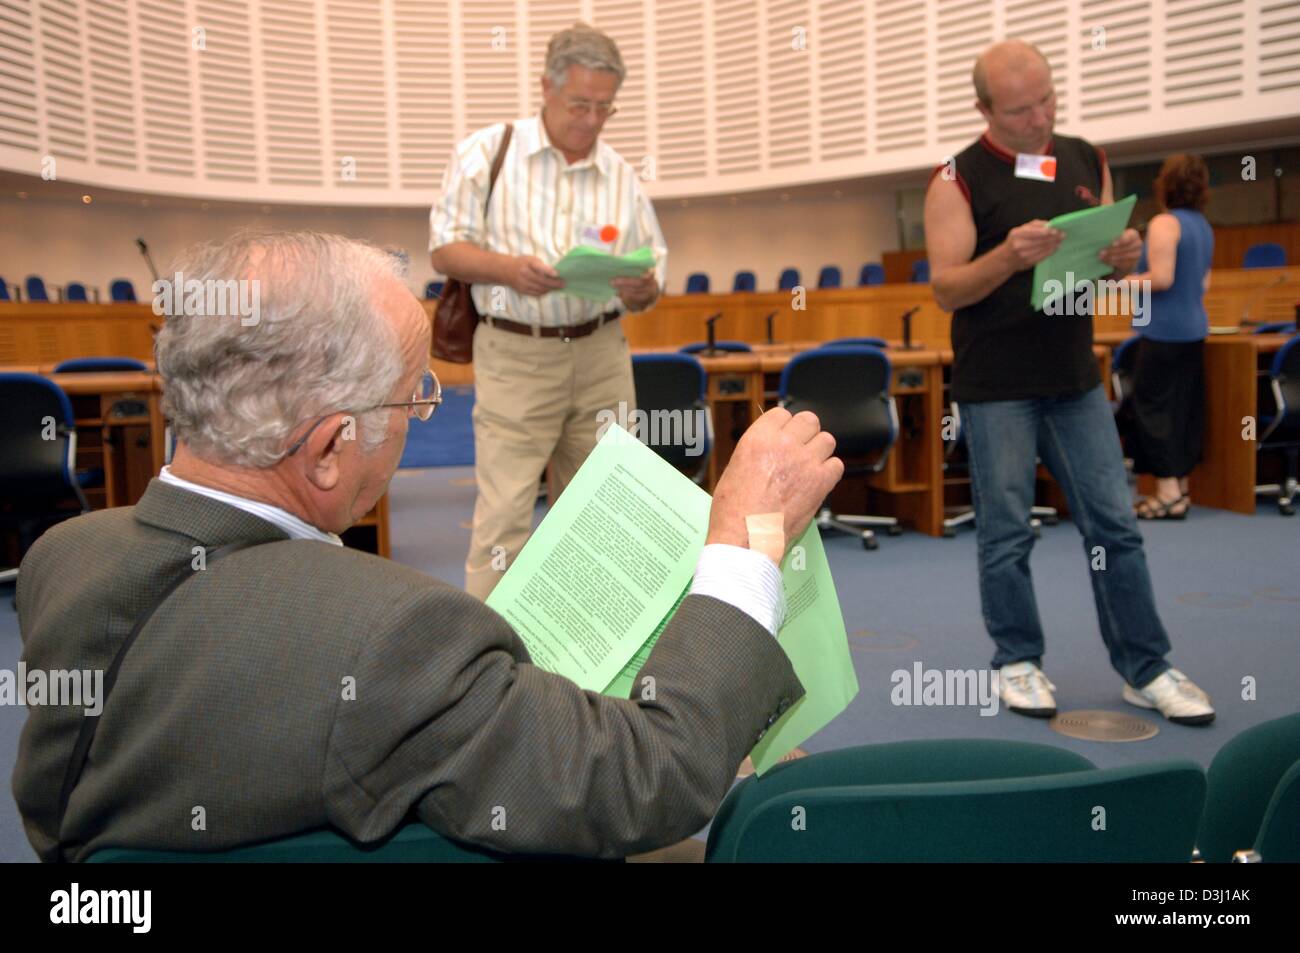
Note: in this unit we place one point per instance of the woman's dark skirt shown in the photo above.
(1168, 406)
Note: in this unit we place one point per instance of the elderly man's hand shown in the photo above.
(1123, 253)
(1028, 244)
(637, 293)
(532, 276)
(782, 464)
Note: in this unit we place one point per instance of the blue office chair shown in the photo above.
(90, 365)
(4, 290)
(871, 274)
(735, 347)
(122, 290)
(36, 289)
(697, 283)
(1264, 255)
(920, 272)
(38, 452)
(75, 291)
(789, 279)
(1276, 327)
(861, 342)
(678, 424)
(829, 277)
(847, 387)
(433, 290)
(1281, 429)
(744, 281)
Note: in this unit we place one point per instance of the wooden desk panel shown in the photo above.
(1226, 476)
(46, 333)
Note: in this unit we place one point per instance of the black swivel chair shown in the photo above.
(1123, 364)
(953, 462)
(92, 365)
(847, 387)
(670, 392)
(38, 450)
(1281, 429)
(731, 347)
(869, 342)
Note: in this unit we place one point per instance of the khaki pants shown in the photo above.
(535, 400)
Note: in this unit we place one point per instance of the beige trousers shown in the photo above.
(535, 400)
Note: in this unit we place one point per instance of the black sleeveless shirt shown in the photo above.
(1002, 348)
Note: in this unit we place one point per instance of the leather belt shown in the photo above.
(567, 332)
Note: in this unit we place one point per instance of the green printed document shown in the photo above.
(601, 577)
(1087, 232)
(587, 271)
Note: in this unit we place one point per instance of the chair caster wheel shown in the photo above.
(894, 530)
(869, 542)
(1051, 520)
(1286, 509)
(949, 532)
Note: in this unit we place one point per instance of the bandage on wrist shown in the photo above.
(767, 534)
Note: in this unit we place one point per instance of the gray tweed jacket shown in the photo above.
(235, 699)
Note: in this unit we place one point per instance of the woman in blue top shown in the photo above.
(1168, 387)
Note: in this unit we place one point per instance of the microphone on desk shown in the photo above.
(770, 319)
(144, 250)
(711, 330)
(1250, 302)
(907, 329)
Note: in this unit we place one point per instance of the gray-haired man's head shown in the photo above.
(337, 333)
(583, 74)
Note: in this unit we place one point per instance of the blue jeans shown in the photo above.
(1077, 440)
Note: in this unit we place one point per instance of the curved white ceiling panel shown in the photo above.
(359, 101)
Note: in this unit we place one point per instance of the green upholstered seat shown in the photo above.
(1241, 781)
(960, 801)
(413, 843)
(1279, 834)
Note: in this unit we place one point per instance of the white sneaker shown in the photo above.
(1025, 690)
(1176, 696)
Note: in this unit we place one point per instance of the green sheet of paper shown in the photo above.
(817, 644)
(607, 564)
(1087, 232)
(603, 574)
(587, 271)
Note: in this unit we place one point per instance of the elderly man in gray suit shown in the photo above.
(295, 684)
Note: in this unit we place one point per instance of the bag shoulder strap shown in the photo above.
(497, 162)
(89, 724)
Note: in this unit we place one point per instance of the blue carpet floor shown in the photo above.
(1226, 586)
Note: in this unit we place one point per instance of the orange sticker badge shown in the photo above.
(1048, 168)
(609, 234)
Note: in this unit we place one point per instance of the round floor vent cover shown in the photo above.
(1103, 726)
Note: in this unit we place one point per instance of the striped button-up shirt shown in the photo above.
(543, 206)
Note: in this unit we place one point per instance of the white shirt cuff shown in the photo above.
(742, 578)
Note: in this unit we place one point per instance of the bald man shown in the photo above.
(1027, 386)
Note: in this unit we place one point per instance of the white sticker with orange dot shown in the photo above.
(1030, 166)
(600, 236)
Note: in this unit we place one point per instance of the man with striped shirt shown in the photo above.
(545, 363)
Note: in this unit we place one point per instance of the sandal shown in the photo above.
(1154, 508)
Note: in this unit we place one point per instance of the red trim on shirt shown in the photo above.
(961, 183)
(1005, 156)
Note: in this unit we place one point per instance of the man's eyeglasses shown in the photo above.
(424, 401)
(580, 107)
